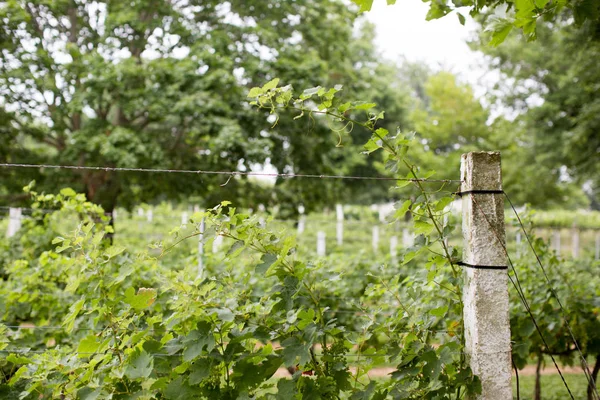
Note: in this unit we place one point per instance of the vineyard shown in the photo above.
(222, 303)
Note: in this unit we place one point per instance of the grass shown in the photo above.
(552, 387)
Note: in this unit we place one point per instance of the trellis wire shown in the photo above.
(563, 312)
(521, 294)
(59, 328)
(29, 351)
(227, 173)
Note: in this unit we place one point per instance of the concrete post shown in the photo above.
(557, 241)
(597, 246)
(339, 228)
(201, 248)
(14, 221)
(321, 249)
(575, 242)
(394, 248)
(301, 220)
(486, 319)
(184, 218)
(445, 223)
(518, 243)
(217, 243)
(375, 239)
(408, 239)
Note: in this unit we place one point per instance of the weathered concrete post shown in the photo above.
(301, 220)
(394, 248)
(575, 242)
(201, 228)
(339, 227)
(184, 218)
(14, 221)
(557, 241)
(321, 245)
(375, 238)
(486, 319)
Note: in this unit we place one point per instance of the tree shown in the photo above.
(156, 83)
(554, 86)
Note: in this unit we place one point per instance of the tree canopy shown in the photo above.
(509, 14)
(553, 85)
(159, 84)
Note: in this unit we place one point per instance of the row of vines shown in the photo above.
(83, 318)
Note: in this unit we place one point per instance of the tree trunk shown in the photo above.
(594, 379)
(537, 394)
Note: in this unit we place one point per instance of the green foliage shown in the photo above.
(565, 307)
(524, 15)
(158, 85)
(566, 219)
(553, 86)
(128, 325)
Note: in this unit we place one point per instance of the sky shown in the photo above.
(402, 31)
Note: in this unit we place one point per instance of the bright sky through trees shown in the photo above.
(402, 31)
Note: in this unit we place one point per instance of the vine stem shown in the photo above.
(387, 146)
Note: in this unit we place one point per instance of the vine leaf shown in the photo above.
(140, 365)
(143, 299)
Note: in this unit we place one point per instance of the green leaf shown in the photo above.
(410, 255)
(89, 394)
(423, 227)
(73, 312)
(461, 18)
(439, 312)
(364, 106)
(113, 251)
(88, 346)
(178, 389)
(197, 340)
(526, 328)
(272, 84)
(143, 299)
(308, 93)
(295, 351)
(200, 370)
(344, 107)
(381, 133)
(68, 192)
(249, 375)
(442, 203)
(255, 92)
(372, 145)
(236, 248)
(365, 5)
(437, 10)
(286, 389)
(400, 212)
(17, 375)
(525, 9)
(498, 36)
(139, 364)
(15, 359)
(267, 260)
